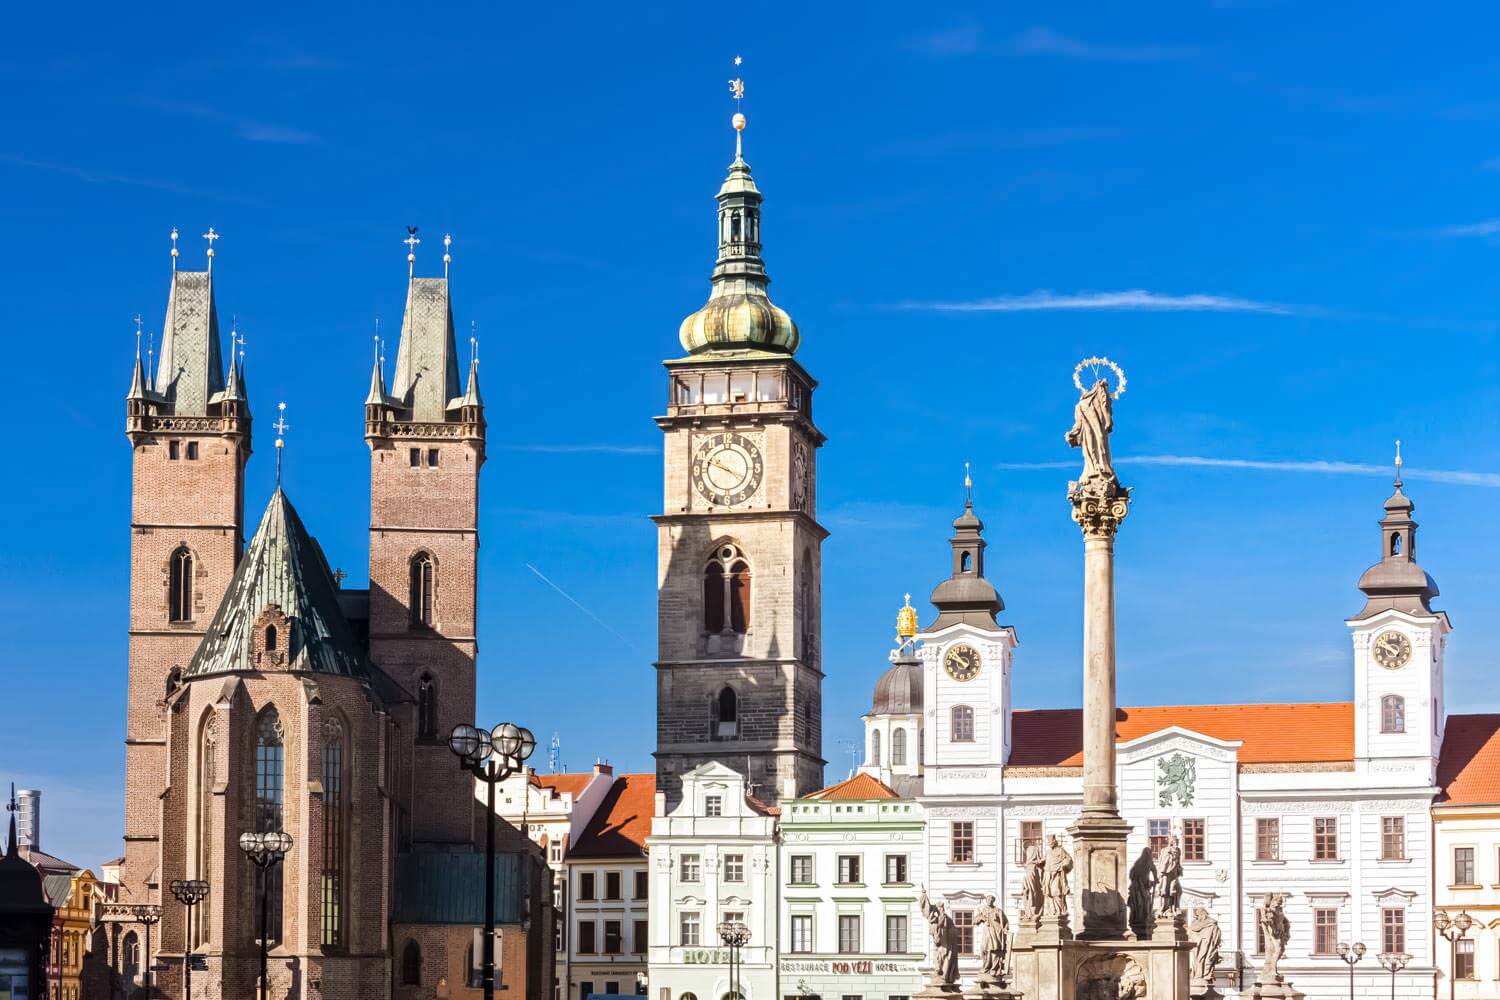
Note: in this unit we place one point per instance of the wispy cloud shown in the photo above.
(249, 129)
(579, 605)
(970, 39)
(91, 176)
(1317, 466)
(583, 449)
(1135, 299)
(1489, 227)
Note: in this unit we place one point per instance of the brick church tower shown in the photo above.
(189, 431)
(739, 677)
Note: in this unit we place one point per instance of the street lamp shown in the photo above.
(189, 892)
(491, 757)
(148, 915)
(265, 850)
(735, 936)
(1351, 954)
(1452, 928)
(1394, 962)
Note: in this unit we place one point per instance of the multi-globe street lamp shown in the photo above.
(735, 935)
(1394, 962)
(491, 757)
(1351, 954)
(189, 892)
(149, 916)
(265, 850)
(1452, 928)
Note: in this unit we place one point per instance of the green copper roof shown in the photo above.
(447, 887)
(283, 567)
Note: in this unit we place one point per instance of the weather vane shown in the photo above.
(447, 257)
(211, 236)
(411, 242)
(280, 427)
(737, 90)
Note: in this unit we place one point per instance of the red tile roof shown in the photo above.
(563, 784)
(1271, 734)
(861, 787)
(622, 822)
(1469, 768)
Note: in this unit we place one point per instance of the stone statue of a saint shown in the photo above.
(944, 936)
(1204, 932)
(1093, 419)
(1055, 879)
(1277, 931)
(996, 938)
(1142, 888)
(1031, 883)
(1169, 880)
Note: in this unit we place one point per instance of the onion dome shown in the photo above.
(739, 314)
(1397, 582)
(967, 596)
(899, 690)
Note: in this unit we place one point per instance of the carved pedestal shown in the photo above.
(1278, 989)
(1100, 866)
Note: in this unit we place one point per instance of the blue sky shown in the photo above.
(1282, 220)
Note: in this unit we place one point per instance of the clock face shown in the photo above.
(962, 662)
(727, 469)
(1392, 649)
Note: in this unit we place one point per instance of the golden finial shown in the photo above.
(211, 236)
(447, 256)
(280, 427)
(174, 248)
(906, 622)
(737, 90)
(411, 242)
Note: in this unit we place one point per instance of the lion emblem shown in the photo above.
(1175, 780)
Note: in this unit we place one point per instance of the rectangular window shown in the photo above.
(734, 917)
(612, 987)
(962, 723)
(713, 805)
(642, 884)
(895, 869)
(1325, 838)
(734, 868)
(739, 387)
(585, 989)
(1194, 840)
(895, 934)
(192, 451)
(614, 933)
(641, 937)
(1463, 866)
(611, 885)
(1393, 931)
(961, 842)
(689, 927)
(1260, 932)
(432, 457)
(173, 450)
(963, 923)
(849, 939)
(802, 933)
(715, 387)
(1393, 838)
(1267, 840)
(802, 869)
(849, 869)
(1031, 833)
(692, 868)
(1159, 833)
(586, 885)
(415, 455)
(1463, 959)
(586, 931)
(557, 935)
(1325, 931)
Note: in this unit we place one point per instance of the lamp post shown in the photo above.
(491, 757)
(1351, 954)
(1452, 928)
(189, 892)
(1394, 962)
(735, 936)
(265, 851)
(148, 916)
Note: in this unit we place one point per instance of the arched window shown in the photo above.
(726, 714)
(734, 225)
(963, 724)
(422, 572)
(875, 748)
(898, 748)
(964, 562)
(270, 769)
(335, 831)
(411, 965)
(726, 592)
(1395, 543)
(270, 638)
(180, 585)
(130, 957)
(426, 707)
(1393, 714)
(207, 744)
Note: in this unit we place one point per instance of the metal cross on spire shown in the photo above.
(411, 242)
(1398, 463)
(138, 332)
(211, 236)
(174, 248)
(280, 427)
(239, 343)
(473, 342)
(737, 90)
(447, 255)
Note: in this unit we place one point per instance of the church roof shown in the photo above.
(283, 566)
(426, 382)
(622, 822)
(860, 788)
(1270, 734)
(189, 367)
(1469, 767)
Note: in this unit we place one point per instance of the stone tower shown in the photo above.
(189, 431)
(739, 676)
(426, 437)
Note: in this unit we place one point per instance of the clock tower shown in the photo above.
(738, 672)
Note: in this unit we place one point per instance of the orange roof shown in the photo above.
(861, 788)
(622, 821)
(1469, 767)
(563, 784)
(1271, 734)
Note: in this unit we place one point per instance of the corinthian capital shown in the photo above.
(1099, 507)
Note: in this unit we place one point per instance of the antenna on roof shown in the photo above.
(854, 747)
(554, 753)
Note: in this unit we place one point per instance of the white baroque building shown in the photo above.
(1466, 832)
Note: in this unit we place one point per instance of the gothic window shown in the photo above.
(335, 827)
(207, 738)
(422, 572)
(426, 707)
(875, 747)
(726, 592)
(180, 585)
(411, 965)
(1393, 714)
(898, 748)
(270, 638)
(963, 724)
(726, 714)
(270, 765)
(130, 963)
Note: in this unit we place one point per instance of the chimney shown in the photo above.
(29, 820)
(661, 804)
(601, 766)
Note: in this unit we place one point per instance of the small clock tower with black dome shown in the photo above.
(739, 677)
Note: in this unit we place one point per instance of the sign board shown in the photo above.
(198, 963)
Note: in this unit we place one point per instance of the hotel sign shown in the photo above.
(850, 967)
